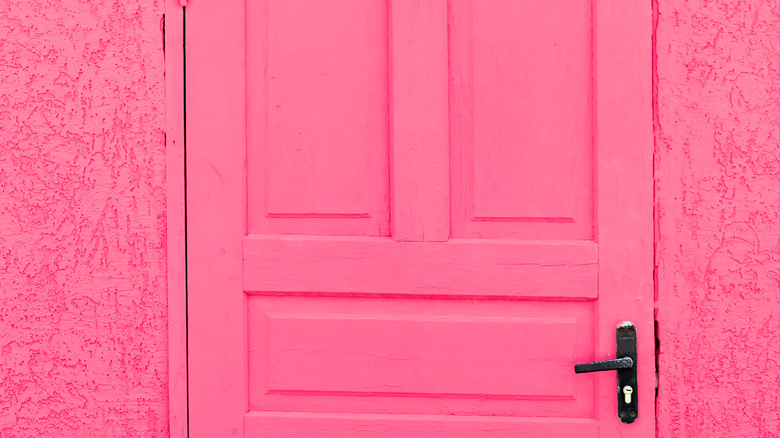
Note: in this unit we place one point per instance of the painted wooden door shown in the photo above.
(411, 218)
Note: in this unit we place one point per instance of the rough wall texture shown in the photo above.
(718, 207)
(82, 219)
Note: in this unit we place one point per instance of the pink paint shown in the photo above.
(412, 218)
(92, 315)
(175, 214)
(83, 334)
(718, 201)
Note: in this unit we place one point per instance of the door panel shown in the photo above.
(411, 218)
(406, 355)
(521, 119)
(317, 94)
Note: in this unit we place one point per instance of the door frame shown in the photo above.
(172, 27)
(630, 133)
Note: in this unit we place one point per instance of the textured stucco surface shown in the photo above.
(718, 206)
(82, 219)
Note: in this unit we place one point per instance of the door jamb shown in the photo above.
(173, 49)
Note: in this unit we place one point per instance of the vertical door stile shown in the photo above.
(419, 128)
(623, 104)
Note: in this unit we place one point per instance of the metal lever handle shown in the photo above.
(605, 365)
(626, 366)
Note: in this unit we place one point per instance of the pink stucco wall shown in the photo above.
(82, 219)
(718, 217)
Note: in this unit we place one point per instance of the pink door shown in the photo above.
(411, 218)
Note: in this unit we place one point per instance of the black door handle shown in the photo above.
(625, 365)
(605, 365)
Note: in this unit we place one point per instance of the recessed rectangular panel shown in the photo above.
(436, 355)
(318, 117)
(521, 118)
(356, 354)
